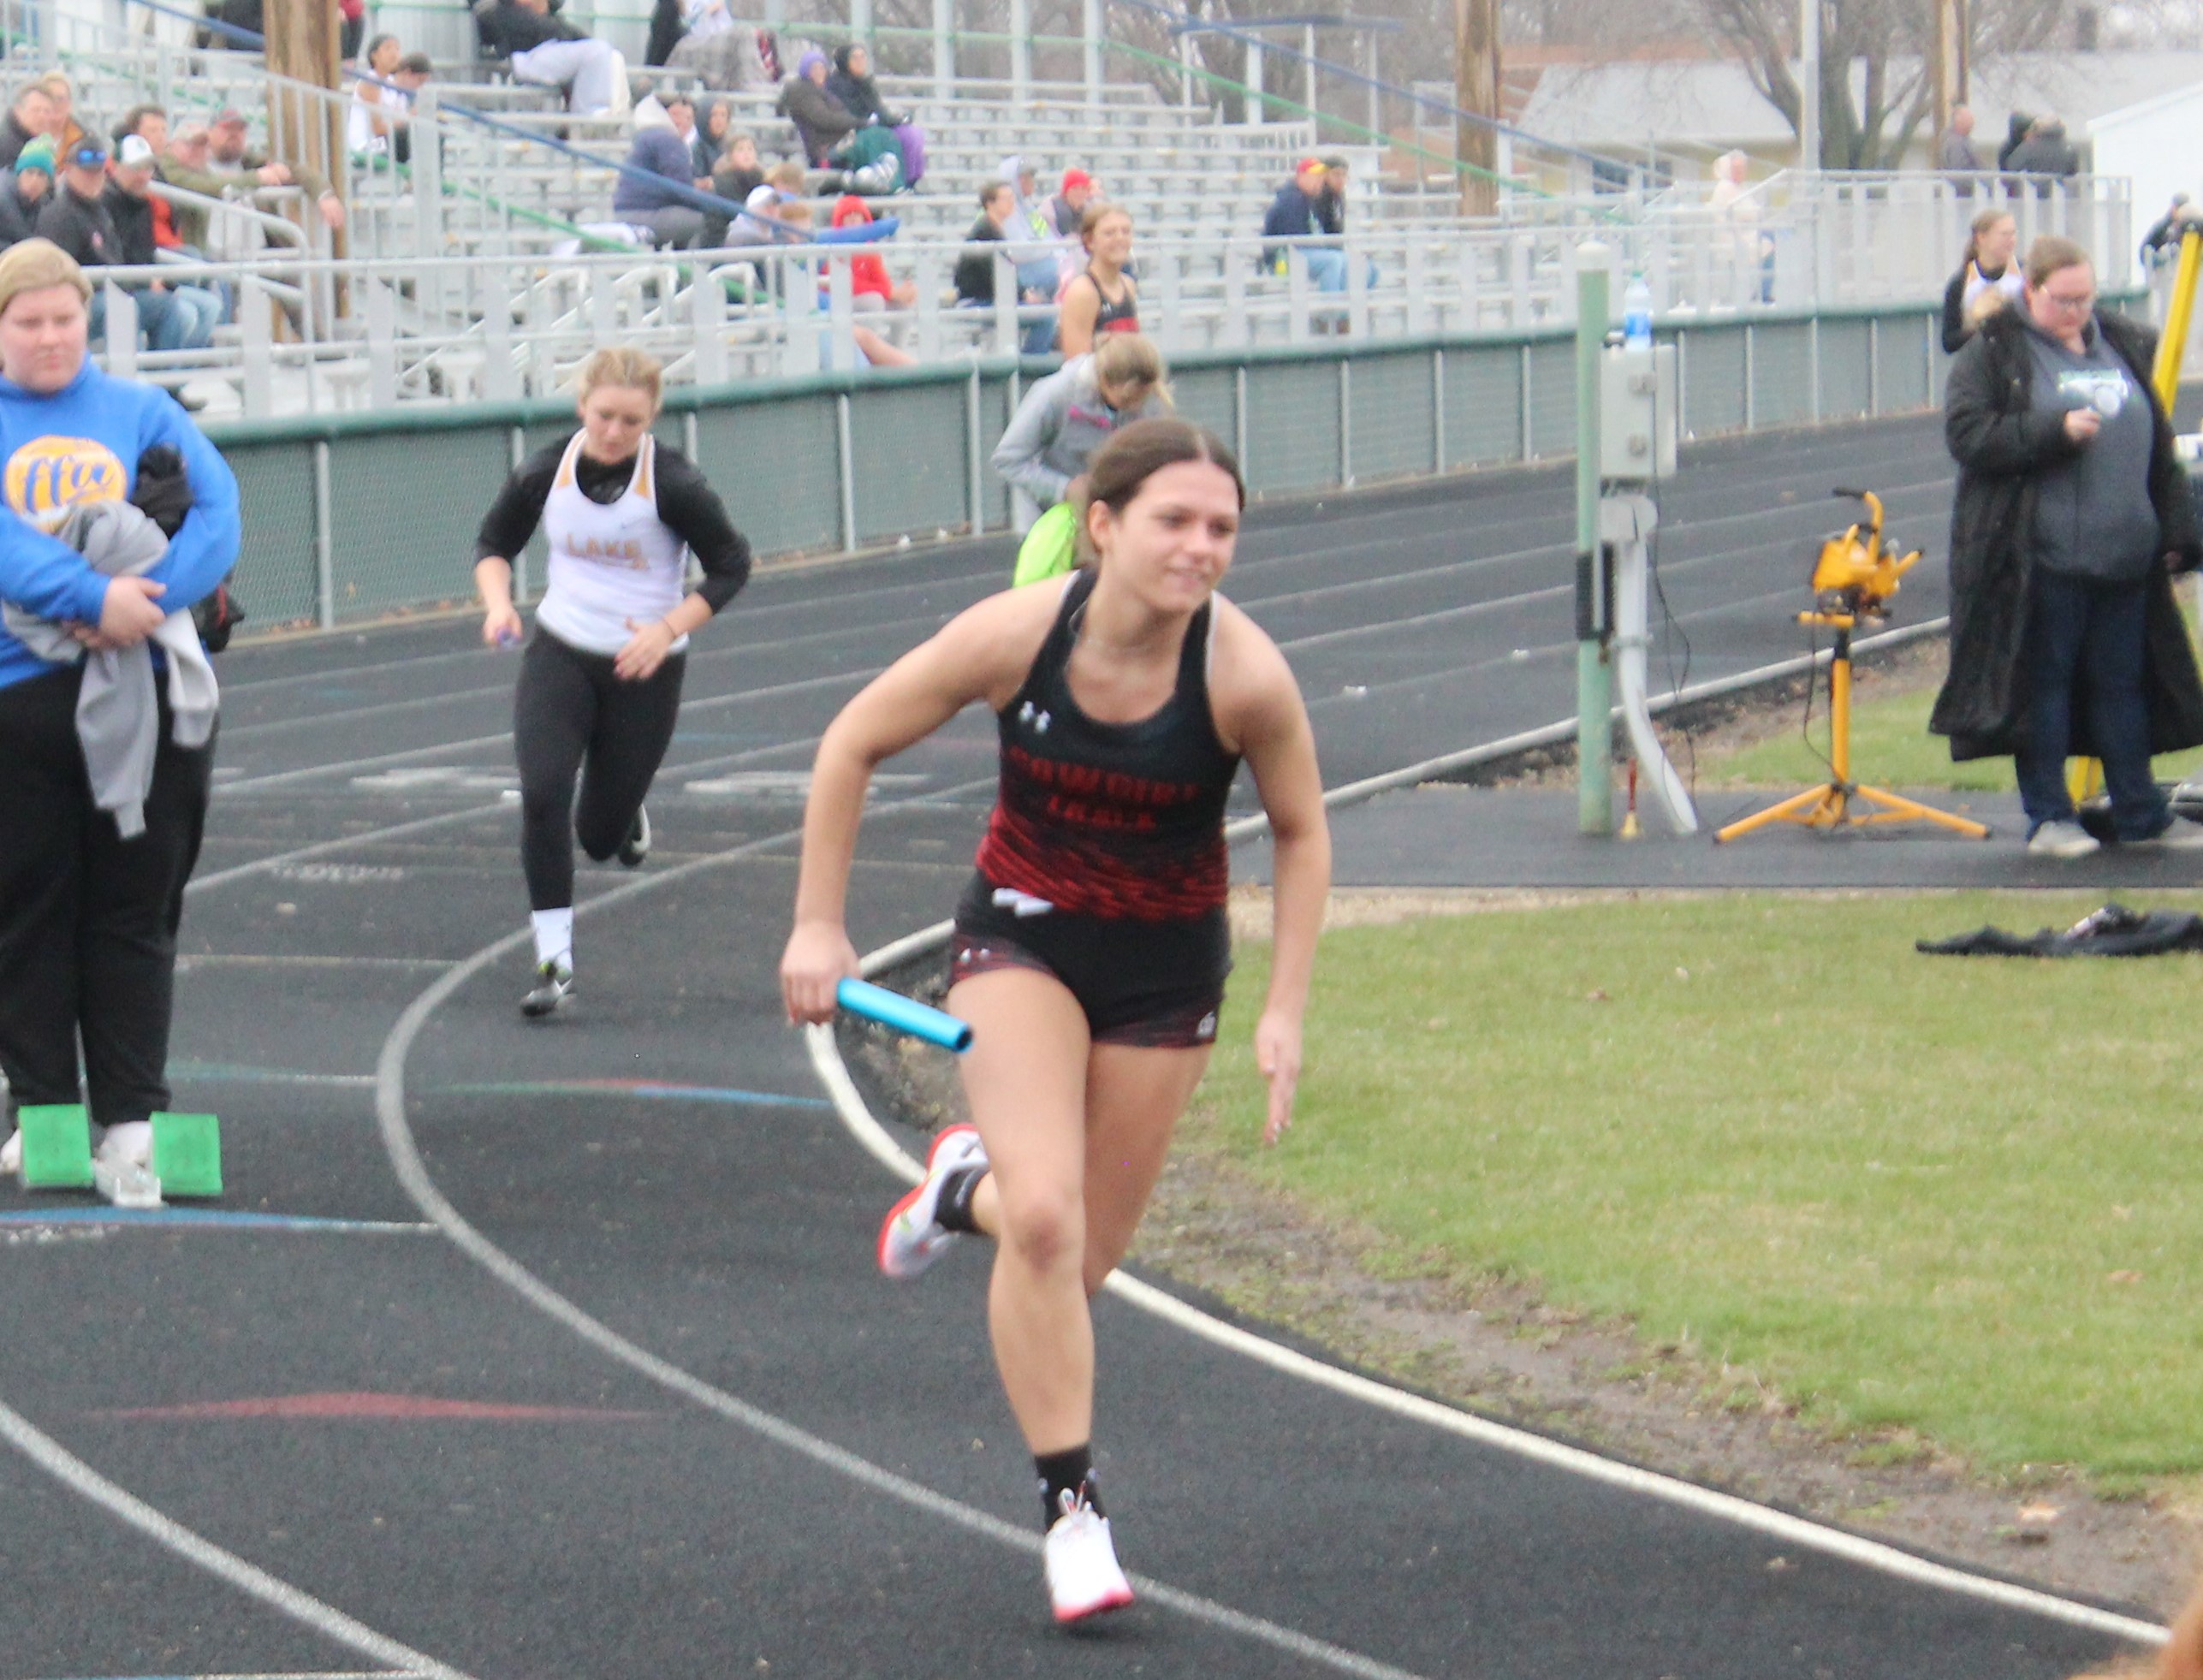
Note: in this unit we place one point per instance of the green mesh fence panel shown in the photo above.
(1714, 382)
(1782, 374)
(1292, 433)
(1846, 370)
(1207, 397)
(403, 511)
(1483, 406)
(1553, 400)
(773, 465)
(912, 466)
(994, 409)
(1392, 410)
(1901, 363)
(276, 571)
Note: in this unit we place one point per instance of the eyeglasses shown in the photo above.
(2073, 305)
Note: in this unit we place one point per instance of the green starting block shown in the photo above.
(188, 1154)
(57, 1146)
(57, 1154)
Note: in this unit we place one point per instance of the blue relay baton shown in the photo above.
(892, 1009)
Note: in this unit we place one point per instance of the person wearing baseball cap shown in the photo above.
(1292, 216)
(230, 152)
(1069, 205)
(173, 316)
(75, 218)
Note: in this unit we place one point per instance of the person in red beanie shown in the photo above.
(868, 274)
(1069, 205)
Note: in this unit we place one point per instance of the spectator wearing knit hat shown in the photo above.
(25, 194)
(1069, 205)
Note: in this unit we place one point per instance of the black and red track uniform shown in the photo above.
(1104, 863)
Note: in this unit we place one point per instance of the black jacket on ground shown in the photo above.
(2000, 443)
(80, 226)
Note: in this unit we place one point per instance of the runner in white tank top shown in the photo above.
(600, 683)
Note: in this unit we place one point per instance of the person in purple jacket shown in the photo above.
(659, 151)
(88, 917)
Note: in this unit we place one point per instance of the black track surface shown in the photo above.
(726, 1226)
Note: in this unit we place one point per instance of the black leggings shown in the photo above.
(572, 718)
(88, 919)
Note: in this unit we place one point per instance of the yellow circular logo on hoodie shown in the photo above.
(49, 476)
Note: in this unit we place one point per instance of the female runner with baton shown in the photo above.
(600, 685)
(1091, 946)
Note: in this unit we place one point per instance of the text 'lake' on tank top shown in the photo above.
(1118, 820)
(611, 567)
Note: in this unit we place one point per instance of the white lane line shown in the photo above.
(413, 1176)
(319, 1674)
(710, 703)
(262, 865)
(874, 1138)
(302, 1607)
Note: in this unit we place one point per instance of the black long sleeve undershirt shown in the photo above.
(687, 506)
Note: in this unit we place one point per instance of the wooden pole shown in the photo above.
(1476, 90)
(1948, 59)
(305, 131)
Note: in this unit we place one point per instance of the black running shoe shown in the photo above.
(637, 845)
(554, 986)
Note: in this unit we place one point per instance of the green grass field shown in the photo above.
(1889, 746)
(1962, 1197)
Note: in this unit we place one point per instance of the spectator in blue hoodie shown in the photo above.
(1293, 215)
(88, 917)
(660, 151)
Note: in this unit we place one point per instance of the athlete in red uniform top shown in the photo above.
(1090, 949)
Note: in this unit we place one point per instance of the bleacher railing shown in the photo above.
(828, 463)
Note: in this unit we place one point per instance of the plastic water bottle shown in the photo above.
(1636, 314)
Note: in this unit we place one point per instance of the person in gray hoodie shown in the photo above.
(1072, 413)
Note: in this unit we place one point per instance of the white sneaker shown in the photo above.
(911, 1237)
(11, 1153)
(130, 1144)
(1080, 1559)
(2063, 840)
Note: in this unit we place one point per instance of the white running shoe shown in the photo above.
(1083, 1578)
(130, 1144)
(2063, 840)
(911, 1237)
(637, 845)
(11, 1153)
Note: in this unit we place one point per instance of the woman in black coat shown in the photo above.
(852, 83)
(2066, 524)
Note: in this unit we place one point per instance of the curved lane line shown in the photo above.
(332, 1624)
(413, 1177)
(866, 1130)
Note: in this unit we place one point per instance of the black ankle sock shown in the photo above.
(1070, 1471)
(952, 1211)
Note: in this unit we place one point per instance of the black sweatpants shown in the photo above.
(88, 919)
(572, 718)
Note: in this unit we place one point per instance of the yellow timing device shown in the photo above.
(1858, 576)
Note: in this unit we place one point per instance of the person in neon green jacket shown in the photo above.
(1062, 421)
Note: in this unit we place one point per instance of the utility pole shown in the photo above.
(1808, 86)
(1947, 58)
(1476, 90)
(304, 131)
